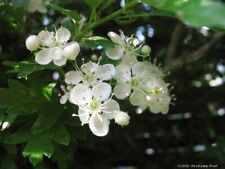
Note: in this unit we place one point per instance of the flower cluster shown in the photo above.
(53, 46)
(142, 81)
(97, 88)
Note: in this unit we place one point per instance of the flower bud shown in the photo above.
(122, 118)
(145, 50)
(32, 42)
(71, 51)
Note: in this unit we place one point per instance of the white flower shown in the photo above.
(143, 86)
(71, 50)
(95, 106)
(32, 42)
(125, 49)
(122, 118)
(66, 95)
(157, 98)
(90, 74)
(40, 6)
(130, 80)
(54, 47)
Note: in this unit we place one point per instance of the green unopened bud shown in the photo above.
(146, 50)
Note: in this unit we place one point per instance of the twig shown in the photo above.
(171, 53)
(195, 55)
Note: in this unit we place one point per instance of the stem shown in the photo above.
(106, 19)
(157, 13)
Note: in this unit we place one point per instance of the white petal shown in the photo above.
(89, 67)
(60, 62)
(122, 90)
(137, 97)
(110, 107)
(102, 91)
(46, 37)
(83, 116)
(139, 69)
(116, 38)
(43, 57)
(73, 77)
(154, 108)
(122, 118)
(62, 35)
(80, 95)
(99, 125)
(64, 98)
(71, 50)
(106, 72)
(123, 73)
(115, 53)
(57, 53)
(129, 60)
(32, 42)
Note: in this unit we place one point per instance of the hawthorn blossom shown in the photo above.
(143, 86)
(90, 74)
(158, 97)
(125, 49)
(96, 107)
(40, 6)
(53, 47)
(121, 118)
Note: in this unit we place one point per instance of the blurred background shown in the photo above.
(193, 132)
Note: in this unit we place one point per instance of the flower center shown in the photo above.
(134, 82)
(94, 106)
(89, 79)
(155, 91)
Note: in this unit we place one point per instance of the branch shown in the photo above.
(195, 55)
(171, 53)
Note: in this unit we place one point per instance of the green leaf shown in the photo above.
(69, 13)
(25, 68)
(5, 98)
(60, 134)
(38, 146)
(93, 4)
(47, 117)
(196, 13)
(95, 41)
(21, 136)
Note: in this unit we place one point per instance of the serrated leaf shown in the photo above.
(35, 158)
(21, 136)
(38, 146)
(196, 13)
(25, 68)
(47, 117)
(96, 41)
(60, 134)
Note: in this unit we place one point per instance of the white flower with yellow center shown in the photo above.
(144, 86)
(157, 98)
(125, 49)
(129, 82)
(53, 47)
(95, 106)
(90, 74)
